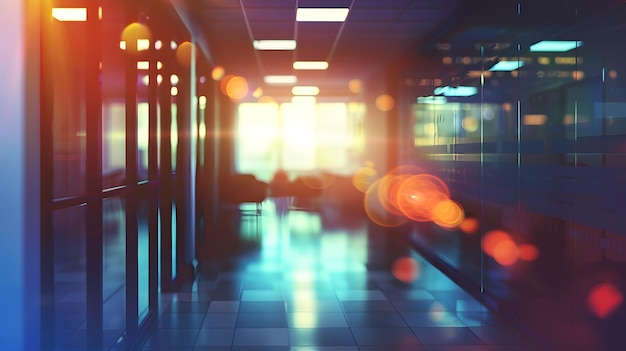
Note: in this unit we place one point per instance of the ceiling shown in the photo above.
(375, 35)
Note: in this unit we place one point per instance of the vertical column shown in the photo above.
(93, 111)
(131, 175)
(165, 174)
(153, 177)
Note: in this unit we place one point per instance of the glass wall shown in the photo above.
(106, 114)
(521, 114)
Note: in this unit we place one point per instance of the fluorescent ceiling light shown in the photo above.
(305, 90)
(70, 14)
(274, 44)
(555, 45)
(433, 100)
(313, 65)
(280, 79)
(321, 14)
(507, 65)
(456, 91)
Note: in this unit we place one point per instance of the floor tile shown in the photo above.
(261, 337)
(265, 306)
(321, 337)
(173, 337)
(432, 319)
(316, 320)
(447, 336)
(361, 295)
(367, 306)
(375, 319)
(385, 336)
(224, 307)
(215, 337)
(181, 321)
(219, 320)
(261, 320)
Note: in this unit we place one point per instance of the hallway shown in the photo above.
(323, 281)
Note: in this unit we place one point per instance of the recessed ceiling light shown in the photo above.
(507, 65)
(280, 79)
(69, 14)
(305, 90)
(321, 14)
(555, 45)
(274, 44)
(312, 65)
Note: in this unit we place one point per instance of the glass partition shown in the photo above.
(523, 122)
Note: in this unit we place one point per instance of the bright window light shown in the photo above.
(322, 14)
(555, 45)
(507, 65)
(305, 90)
(274, 44)
(304, 100)
(280, 79)
(456, 91)
(310, 65)
(70, 14)
(143, 65)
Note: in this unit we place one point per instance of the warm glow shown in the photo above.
(258, 92)
(388, 192)
(174, 91)
(418, 195)
(528, 252)
(375, 210)
(237, 88)
(385, 102)
(470, 124)
(280, 80)
(217, 73)
(491, 239)
(505, 252)
(69, 14)
(135, 33)
(534, 120)
(363, 178)
(405, 269)
(448, 214)
(469, 225)
(224, 83)
(355, 86)
(174, 79)
(603, 299)
(184, 53)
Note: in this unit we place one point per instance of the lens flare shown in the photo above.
(493, 238)
(469, 225)
(363, 177)
(376, 212)
(448, 214)
(603, 299)
(405, 269)
(355, 86)
(385, 102)
(136, 33)
(217, 73)
(388, 193)
(506, 252)
(418, 195)
(237, 88)
(184, 52)
(528, 252)
(224, 83)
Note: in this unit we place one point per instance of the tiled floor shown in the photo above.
(311, 281)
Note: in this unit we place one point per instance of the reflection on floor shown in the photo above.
(299, 280)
